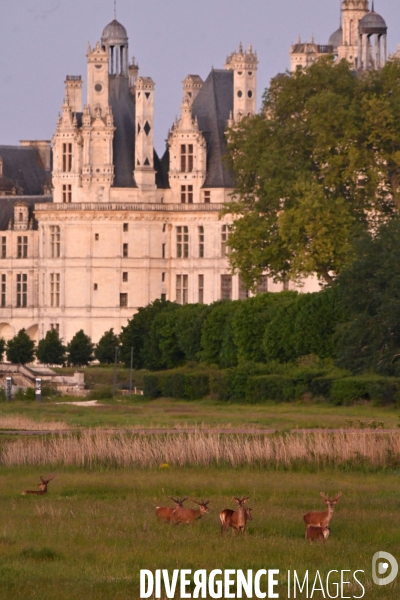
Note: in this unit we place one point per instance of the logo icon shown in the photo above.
(380, 565)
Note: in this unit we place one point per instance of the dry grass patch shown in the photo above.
(90, 449)
(20, 422)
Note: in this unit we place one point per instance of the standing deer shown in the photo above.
(321, 518)
(317, 534)
(164, 513)
(188, 515)
(42, 487)
(236, 519)
(225, 516)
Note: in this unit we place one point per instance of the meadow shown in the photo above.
(94, 531)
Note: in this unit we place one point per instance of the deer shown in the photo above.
(42, 487)
(236, 519)
(321, 518)
(164, 513)
(189, 515)
(225, 516)
(317, 534)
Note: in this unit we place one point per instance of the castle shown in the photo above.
(94, 224)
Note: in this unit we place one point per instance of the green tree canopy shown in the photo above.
(50, 349)
(105, 349)
(20, 349)
(2, 347)
(370, 295)
(80, 349)
(313, 169)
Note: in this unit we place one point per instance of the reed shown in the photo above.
(90, 449)
(20, 422)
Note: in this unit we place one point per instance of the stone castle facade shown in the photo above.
(110, 226)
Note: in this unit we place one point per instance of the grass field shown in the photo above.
(137, 412)
(94, 531)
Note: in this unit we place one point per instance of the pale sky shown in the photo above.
(42, 41)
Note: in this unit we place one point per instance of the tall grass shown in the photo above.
(93, 448)
(21, 422)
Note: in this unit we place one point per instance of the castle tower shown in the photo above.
(98, 85)
(73, 91)
(144, 172)
(372, 41)
(352, 13)
(115, 41)
(244, 67)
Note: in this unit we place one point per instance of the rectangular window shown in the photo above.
(67, 193)
(55, 237)
(123, 300)
(163, 297)
(163, 251)
(55, 326)
(243, 291)
(125, 276)
(224, 239)
(186, 158)
(182, 289)
(125, 250)
(263, 285)
(182, 242)
(54, 289)
(3, 247)
(95, 287)
(96, 237)
(67, 157)
(3, 291)
(22, 246)
(163, 277)
(22, 290)
(186, 194)
(207, 197)
(201, 241)
(201, 289)
(125, 227)
(226, 287)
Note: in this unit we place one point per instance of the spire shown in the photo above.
(115, 10)
(373, 6)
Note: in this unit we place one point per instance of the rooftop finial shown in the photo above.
(373, 6)
(115, 9)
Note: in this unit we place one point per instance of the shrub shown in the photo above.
(50, 349)
(20, 349)
(217, 342)
(103, 392)
(277, 388)
(350, 389)
(105, 349)
(151, 386)
(80, 349)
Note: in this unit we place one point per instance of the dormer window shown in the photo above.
(186, 158)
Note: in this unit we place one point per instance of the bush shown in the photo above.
(277, 388)
(383, 390)
(20, 349)
(151, 386)
(80, 349)
(217, 342)
(179, 384)
(105, 349)
(103, 392)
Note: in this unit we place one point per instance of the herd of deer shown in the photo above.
(316, 522)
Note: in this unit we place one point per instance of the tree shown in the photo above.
(105, 349)
(136, 335)
(218, 346)
(50, 349)
(20, 349)
(314, 170)
(80, 349)
(2, 348)
(370, 296)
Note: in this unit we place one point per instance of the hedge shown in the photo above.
(177, 384)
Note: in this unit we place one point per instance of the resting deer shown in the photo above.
(317, 534)
(321, 518)
(164, 513)
(229, 518)
(239, 517)
(188, 515)
(42, 487)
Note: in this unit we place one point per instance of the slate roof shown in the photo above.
(24, 167)
(7, 204)
(212, 107)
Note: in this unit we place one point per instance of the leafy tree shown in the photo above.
(2, 348)
(313, 169)
(20, 349)
(80, 349)
(105, 349)
(370, 295)
(136, 335)
(250, 321)
(217, 342)
(50, 349)
(189, 325)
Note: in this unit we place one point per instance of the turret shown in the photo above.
(244, 66)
